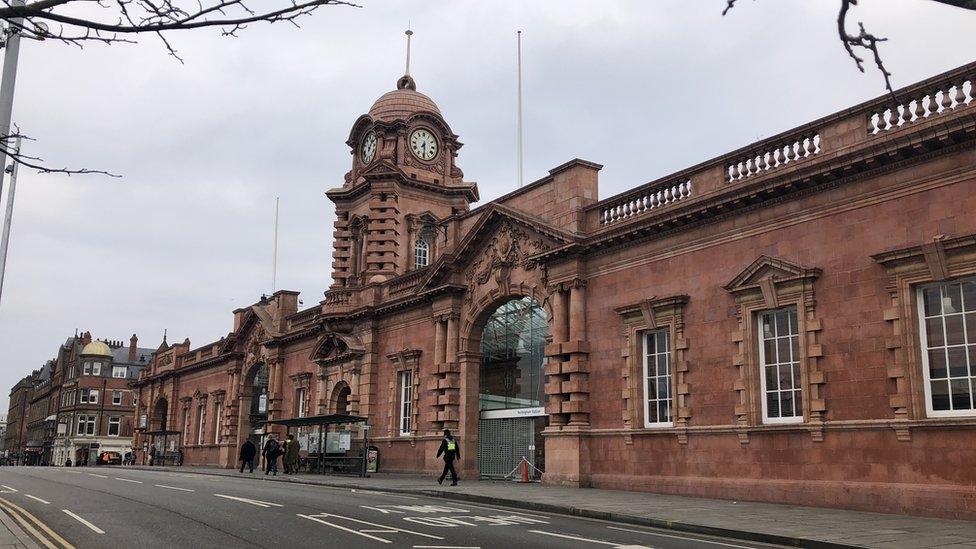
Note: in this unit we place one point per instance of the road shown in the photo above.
(118, 507)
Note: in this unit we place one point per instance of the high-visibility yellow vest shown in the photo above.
(451, 446)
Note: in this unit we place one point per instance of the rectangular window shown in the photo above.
(96, 369)
(117, 398)
(406, 401)
(947, 314)
(657, 379)
(86, 425)
(84, 396)
(203, 413)
(217, 412)
(119, 372)
(779, 366)
(114, 426)
(301, 396)
(186, 426)
(87, 368)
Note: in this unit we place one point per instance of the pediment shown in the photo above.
(336, 348)
(502, 237)
(773, 269)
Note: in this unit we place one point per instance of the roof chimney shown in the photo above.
(86, 338)
(133, 342)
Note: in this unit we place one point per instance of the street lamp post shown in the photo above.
(11, 52)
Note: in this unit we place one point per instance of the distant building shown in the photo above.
(3, 434)
(78, 404)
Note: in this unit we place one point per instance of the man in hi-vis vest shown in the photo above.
(451, 450)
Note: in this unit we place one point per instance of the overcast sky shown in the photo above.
(645, 88)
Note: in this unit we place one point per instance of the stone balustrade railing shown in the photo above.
(944, 97)
(405, 283)
(771, 157)
(939, 97)
(645, 200)
(339, 298)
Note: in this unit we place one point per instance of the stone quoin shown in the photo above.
(792, 322)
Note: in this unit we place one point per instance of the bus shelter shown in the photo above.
(328, 446)
(163, 448)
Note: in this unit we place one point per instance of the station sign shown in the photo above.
(535, 411)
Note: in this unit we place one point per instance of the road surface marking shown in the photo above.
(257, 502)
(94, 528)
(74, 472)
(679, 537)
(128, 480)
(446, 547)
(7, 489)
(577, 538)
(38, 499)
(22, 516)
(375, 528)
(96, 475)
(174, 488)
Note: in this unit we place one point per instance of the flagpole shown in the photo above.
(520, 145)
(274, 258)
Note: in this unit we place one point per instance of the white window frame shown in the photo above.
(87, 368)
(96, 368)
(117, 398)
(795, 332)
(186, 426)
(924, 350)
(87, 425)
(218, 409)
(670, 397)
(406, 402)
(421, 252)
(200, 419)
(119, 369)
(302, 397)
(117, 423)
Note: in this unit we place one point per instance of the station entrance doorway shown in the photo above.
(511, 379)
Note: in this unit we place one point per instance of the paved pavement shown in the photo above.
(127, 507)
(785, 524)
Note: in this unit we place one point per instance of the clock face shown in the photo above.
(423, 144)
(369, 147)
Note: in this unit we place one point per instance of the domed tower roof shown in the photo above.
(402, 103)
(96, 348)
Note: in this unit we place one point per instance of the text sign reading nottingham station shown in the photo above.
(514, 412)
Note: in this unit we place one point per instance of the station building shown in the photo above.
(791, 322)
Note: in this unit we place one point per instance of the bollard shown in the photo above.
(525, 470)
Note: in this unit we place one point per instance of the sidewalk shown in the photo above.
(764, 522)
(11, 535)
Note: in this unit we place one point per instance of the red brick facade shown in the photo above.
(838, 225)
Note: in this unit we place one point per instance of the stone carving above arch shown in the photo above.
(334, 348)
(511, 248)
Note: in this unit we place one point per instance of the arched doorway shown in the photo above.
(257, 385)
(160, 415)
(511, 381)
(340, 398)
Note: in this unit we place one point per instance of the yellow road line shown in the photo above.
(21, 515)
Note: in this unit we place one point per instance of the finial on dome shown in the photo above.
(406, 81)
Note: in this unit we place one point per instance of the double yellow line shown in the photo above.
(34, 526)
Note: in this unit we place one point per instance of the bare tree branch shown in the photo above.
(35, 162)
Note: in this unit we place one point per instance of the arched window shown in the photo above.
(421, 252)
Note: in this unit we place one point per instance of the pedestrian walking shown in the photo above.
(248, 451)
(292, 455)
(271, 451)
(451, 451)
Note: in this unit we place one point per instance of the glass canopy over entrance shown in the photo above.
(511, 397)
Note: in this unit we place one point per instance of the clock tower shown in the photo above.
(403, 186)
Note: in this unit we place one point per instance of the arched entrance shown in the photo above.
(160, 415)
(340, 398)
(257, 390)
(511, 381)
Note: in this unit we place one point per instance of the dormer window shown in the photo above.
(421, 253)
(119, 371)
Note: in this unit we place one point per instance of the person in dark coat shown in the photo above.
(292, 455)
(271, 451)
(248, 451)
(452, 451)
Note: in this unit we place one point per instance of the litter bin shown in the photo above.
(372, 459)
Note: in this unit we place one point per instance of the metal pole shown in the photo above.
(11, 52)
(274, 260)
(8, 218)
(520, 148)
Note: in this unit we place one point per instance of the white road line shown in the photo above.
(74, 472)
(577, 538)
(96, 475)
(174, 488)
(96, 529)
(7, 489)
(128, 480)
(257, 502)
(680, 537)
(350, 530)
(446, 547)
(38, 499)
